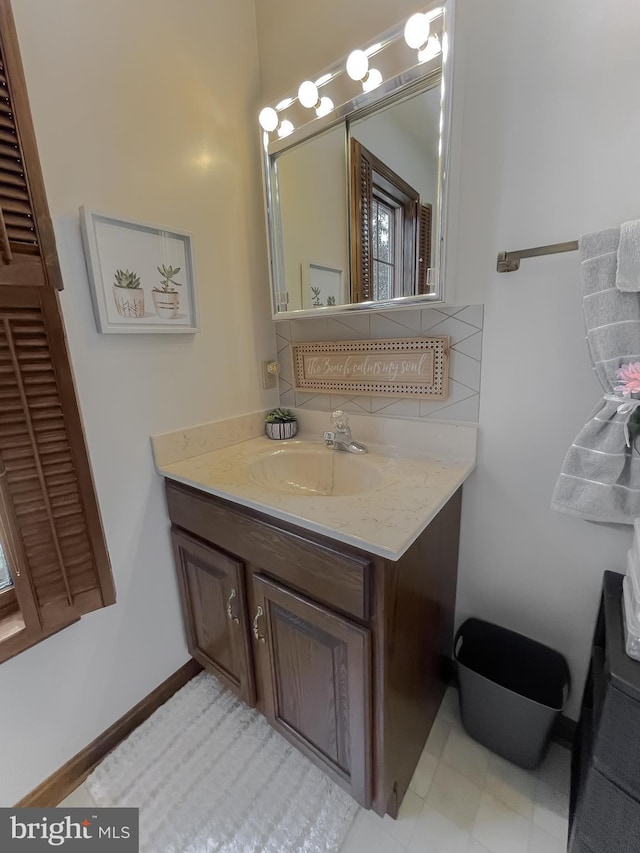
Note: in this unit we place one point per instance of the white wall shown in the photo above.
(144, 110)
(548, 152)
(546, 135)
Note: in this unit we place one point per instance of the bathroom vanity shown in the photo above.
(340, 643)
(338, 647)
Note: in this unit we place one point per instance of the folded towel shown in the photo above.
(599, 243)
(628, 274)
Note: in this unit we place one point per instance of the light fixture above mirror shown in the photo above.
(355, 169)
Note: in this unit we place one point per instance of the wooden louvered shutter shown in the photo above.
(27, 243)
(361, 198)
(49, 519)
(424, 247)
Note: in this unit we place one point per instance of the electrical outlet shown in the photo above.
(269, 374)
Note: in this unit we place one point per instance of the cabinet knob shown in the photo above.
(230, 614)
(256, 630)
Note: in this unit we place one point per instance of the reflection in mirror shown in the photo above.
(312, 180)
(394, 186)
(355, 181)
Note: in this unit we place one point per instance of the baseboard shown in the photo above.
(65, 780)
(564, 731)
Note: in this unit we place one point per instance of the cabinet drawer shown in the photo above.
(617, 746)
(320, 571)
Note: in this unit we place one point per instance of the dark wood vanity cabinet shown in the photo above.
(340, 649)
(215, 613)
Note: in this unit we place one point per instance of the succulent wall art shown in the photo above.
(141, 275)
(166, 298)
(128, 295)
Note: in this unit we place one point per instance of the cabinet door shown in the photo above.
(214, 607)
(316, 674)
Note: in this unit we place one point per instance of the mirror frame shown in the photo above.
(403, 83)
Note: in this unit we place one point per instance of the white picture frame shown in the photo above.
(155, 267)
(321, 284)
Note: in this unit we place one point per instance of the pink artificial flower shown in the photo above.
(629, 374)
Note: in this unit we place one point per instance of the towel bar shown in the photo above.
(510, 261)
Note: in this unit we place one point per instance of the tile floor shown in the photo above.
(463, 799)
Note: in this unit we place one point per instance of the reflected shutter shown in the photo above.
(50, 519)
(424, 247)
(361, 202)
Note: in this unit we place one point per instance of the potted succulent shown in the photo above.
(280, 423)
(166, 298)
(128, 295)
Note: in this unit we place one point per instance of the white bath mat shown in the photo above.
(210, 775)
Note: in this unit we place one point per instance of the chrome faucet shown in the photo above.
(340, 438)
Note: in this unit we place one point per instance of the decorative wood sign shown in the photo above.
(401, 367)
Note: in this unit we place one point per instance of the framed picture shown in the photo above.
(321, 286)
(141, 275)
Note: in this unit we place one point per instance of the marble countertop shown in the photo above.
(385, 520)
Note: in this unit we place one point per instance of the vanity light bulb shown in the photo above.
(285, 129)
(308, 94)
(416, 31)
(374, 78)
(268, 119)
(357, 64)
(325, 107)
(431, 50)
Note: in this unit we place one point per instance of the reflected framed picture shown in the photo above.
(321, 285)
(141, 275)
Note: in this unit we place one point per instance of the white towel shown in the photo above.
(628, 274)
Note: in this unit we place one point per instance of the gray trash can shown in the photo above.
(511, 690)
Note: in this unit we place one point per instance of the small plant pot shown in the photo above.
(129, 301)
(281, 430)
(166, 303)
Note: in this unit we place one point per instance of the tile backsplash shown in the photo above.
(463, 324)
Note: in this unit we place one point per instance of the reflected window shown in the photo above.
(11, 620)
(390, 231)
(5, 575)
(383, 248)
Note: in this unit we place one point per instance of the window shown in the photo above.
(386, 256)
(390, 231)
(5, 577)
(54, 565)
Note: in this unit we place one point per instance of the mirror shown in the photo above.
(355, 197)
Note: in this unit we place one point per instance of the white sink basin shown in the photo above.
(303, 471)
